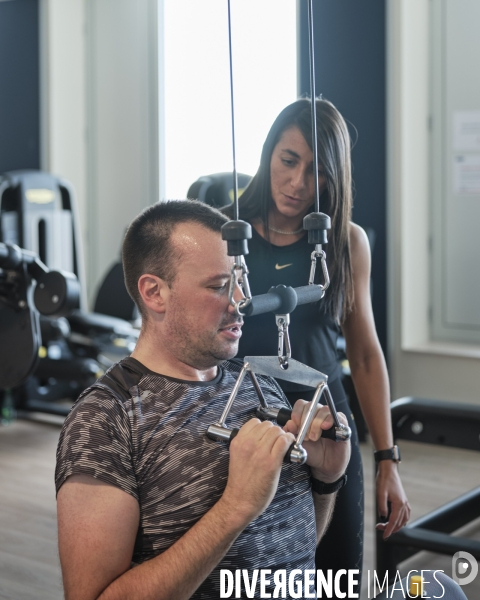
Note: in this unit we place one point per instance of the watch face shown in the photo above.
(396, 454)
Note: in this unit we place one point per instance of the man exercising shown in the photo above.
(139, 483)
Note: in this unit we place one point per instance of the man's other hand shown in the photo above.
(327, 459)
(256, 456)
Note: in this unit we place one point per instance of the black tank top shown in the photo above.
(313, 333)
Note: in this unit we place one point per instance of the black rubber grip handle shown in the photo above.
(286, 458)
(309, 293)
(263, 303)
(284, 415)
(274, 301)
(329, 434)
(233, 434)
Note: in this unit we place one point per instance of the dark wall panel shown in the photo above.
(19, 85)
(350, 72)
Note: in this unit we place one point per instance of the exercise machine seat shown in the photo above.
(113, 298)
(217, 190)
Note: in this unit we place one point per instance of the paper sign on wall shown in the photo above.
(466, 174)
(466, 130)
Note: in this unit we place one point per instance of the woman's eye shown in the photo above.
(287, 162)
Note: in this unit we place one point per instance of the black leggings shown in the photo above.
(342, 545)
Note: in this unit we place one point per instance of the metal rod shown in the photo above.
(314, 106)
(245, 284)
(233, 395)
(235, 177)
(258, 389)
(311, 413)
(331, 406)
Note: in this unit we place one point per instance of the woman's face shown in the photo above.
(291, 175)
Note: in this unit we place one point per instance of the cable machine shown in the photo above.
(280, 300)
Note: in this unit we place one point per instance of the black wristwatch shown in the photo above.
(389, 454)
(319, 487)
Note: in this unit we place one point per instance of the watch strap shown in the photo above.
(388, 454)
(321, 488)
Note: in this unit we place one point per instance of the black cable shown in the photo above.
(236, 212)
(314, 106)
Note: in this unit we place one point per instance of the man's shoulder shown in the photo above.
(114, 386)
(121, 378)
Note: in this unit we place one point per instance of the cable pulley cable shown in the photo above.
(237, 232)
(281, 300)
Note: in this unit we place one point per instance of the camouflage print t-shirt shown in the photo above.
(146, 434)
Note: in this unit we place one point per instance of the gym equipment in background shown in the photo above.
(217, 190)
(113, 286)
(452, 424)
(38, 212)
(21, 303)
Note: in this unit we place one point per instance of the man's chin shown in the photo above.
(212, 354)
(227, 352)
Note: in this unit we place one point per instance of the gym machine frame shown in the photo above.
(452, 424)
(280, 300)
(56, 293)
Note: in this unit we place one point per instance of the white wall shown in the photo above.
(123, 118)
(418, 366)
(101, 115)
(64, 126)
(456, 150)
(63, 97)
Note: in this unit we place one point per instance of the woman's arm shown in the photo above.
(370, 377)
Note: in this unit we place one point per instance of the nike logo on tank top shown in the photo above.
(313, 333)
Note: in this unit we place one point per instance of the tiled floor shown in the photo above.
(29, 568)
(432, 476)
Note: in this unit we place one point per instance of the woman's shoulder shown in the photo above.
(359, 247)
(358, 238)
(360, 254)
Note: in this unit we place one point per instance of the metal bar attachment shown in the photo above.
(295, 372)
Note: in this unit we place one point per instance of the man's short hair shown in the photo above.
(147, 247)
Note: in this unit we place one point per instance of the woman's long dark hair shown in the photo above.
(336, 201)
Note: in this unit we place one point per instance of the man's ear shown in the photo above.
(154, 292)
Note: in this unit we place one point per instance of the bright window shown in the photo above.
(197, 86)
